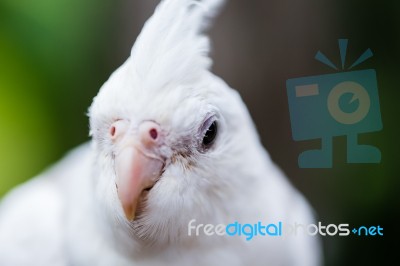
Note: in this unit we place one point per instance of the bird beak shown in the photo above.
(137, 167)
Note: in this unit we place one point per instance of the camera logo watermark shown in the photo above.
(279, 229)
(344, 103)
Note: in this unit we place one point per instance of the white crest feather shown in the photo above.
(171, 46)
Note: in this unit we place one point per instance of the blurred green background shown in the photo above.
(55, 55)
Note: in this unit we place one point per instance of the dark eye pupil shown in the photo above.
(210, 134)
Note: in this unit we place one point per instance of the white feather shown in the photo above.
(70, 215)
(171, 46)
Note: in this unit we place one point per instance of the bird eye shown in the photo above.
(210, 135)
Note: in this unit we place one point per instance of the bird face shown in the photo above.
(163, 153)
(143, 150)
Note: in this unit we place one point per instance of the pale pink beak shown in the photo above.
(138, 163)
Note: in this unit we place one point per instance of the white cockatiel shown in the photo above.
(173, 146)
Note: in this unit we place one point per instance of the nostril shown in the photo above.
(113, 131)
(153, 133)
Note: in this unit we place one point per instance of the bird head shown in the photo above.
(170, 136)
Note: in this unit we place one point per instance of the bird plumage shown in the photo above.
(166, 80)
